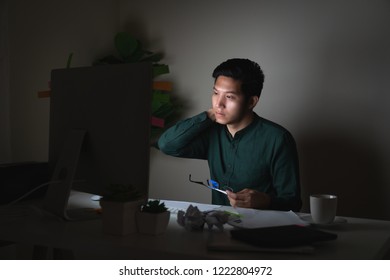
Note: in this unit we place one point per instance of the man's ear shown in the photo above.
(252, 101)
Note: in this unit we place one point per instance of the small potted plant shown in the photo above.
(119, 205)
(153, 218)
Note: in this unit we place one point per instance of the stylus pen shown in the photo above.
(215, 186)
(218, 190)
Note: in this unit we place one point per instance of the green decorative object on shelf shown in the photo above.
(164, 109)
(131, 50)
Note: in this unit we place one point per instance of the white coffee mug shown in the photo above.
(323, 208)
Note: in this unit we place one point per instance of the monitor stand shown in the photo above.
(57, 195)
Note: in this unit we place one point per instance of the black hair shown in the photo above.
(244, 70)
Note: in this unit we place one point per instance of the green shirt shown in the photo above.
(262, 156)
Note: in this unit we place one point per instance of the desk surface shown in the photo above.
(357, 239)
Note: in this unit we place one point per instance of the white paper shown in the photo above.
(244, 217)
(183, 205)
(253, 218)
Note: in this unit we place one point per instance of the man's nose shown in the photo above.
(220, 102)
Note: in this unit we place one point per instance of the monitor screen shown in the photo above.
(99, 129)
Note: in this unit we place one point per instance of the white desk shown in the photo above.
(357, 239)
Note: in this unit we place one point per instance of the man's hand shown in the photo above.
(248, 198)
(211, 114)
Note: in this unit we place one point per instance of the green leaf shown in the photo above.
(136, 56)
(159, 99)
(69, 60)
(160, 69)
(126, 44)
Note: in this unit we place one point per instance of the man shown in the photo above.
(253, 159)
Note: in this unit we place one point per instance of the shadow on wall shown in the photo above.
(338, 164)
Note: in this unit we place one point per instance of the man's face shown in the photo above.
(229, 103)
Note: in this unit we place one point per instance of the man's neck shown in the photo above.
(235, 127)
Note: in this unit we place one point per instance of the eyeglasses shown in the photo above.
(211, 184)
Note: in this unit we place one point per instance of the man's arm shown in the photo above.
(188, 138)
(285, 174)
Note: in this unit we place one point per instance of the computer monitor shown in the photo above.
(99, 130)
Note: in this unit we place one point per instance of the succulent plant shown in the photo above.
(154, 206)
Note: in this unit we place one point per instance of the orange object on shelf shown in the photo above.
(160, 85)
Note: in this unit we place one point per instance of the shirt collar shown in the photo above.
(241, 132)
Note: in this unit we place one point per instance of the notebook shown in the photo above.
(282, 236)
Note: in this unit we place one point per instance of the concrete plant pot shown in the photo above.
(152, 223)
(119, 218)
